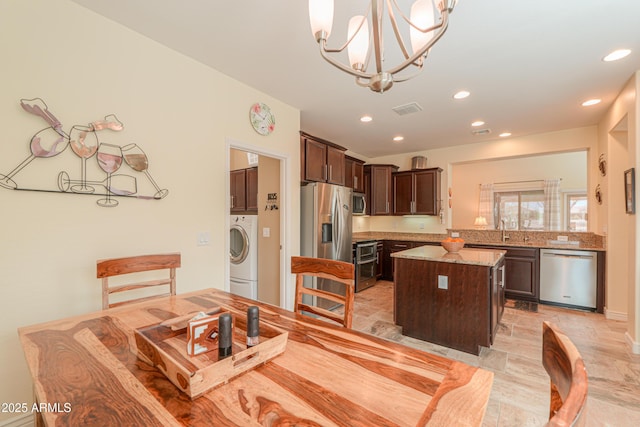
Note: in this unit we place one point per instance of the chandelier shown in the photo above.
(428, 21)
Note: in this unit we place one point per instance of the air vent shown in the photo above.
(405, 109)
(481, 131)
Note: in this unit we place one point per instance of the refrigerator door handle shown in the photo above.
(336, 225)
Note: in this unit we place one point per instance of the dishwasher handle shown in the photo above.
(557, 255)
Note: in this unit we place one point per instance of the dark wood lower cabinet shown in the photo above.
(463, 316)
(522, 278)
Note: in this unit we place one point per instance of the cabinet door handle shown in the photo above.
(355, 182)
(330, 172)
(326, 172)
(232, 201)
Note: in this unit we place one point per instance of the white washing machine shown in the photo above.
(243, 255)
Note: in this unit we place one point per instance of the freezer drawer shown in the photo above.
(568, 277)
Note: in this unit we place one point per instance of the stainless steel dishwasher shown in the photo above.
(568, 277)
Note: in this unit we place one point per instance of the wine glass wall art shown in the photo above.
(89, 143)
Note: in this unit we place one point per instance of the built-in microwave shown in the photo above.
(359, 204)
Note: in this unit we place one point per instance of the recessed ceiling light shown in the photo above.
(366, 119)
(398, 138)
(616, 54)
(462, 94)
(505, 134)
(591, 102)
(477, 123)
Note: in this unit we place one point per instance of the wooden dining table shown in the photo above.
(86, 371)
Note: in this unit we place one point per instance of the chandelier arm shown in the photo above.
(339, 65)
(396, 30)
(376, 25)
(320, 37)
(425, 48)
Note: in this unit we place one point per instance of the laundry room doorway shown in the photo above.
(255, 197)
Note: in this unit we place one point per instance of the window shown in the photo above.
(521, 210)
(576, 211)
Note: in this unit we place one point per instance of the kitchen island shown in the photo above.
(452, 299)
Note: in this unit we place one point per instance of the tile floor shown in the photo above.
(520, 394)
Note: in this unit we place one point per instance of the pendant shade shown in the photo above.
(359, 46)
(423, 17)
(321, 17)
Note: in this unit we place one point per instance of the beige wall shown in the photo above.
(181, 112)
(467, 177)
(618, 141)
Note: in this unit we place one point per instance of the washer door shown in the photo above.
(239, 244)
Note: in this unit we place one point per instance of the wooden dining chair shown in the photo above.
(338, 271)
(568, 375)
(108, 268)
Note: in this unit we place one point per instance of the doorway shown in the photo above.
(263, 203)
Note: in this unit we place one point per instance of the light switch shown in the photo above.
(266, 232)
(204, 238)
(443, 282)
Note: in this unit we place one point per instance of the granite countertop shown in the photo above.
(488, 238)
(483, 257)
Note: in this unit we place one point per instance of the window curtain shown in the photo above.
(552, 204)
(485, 207)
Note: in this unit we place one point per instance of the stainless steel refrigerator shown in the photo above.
(326, 227)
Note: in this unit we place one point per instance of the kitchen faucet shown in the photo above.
(503, 225)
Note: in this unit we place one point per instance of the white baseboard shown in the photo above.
(615, 315)
(634, 345)
(24, 420)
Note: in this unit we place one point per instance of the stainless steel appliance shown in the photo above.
(325, 227)
(366, 263)
(359, 204)
(568, 277)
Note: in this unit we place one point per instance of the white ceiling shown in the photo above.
(528, 64)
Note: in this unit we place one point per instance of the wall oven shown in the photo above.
(366, 264)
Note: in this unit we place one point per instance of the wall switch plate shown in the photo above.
(421, 226)
(266, 232)
(204, 238)
(455, 234)
(563, 238)
(443, 282)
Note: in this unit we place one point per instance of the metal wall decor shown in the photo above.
(85, 143)
(602, 165)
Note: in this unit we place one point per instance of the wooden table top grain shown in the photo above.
(327, 376)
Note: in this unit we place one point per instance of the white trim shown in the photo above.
(24, 420)
(633, 345)
(285, 213)
(615, 315)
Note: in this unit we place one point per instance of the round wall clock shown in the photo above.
(262, 119)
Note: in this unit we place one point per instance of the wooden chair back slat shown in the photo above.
(568, 375)
(338, 271)
(108, 268)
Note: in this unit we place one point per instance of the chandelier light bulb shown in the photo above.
(423, 17)
(359, 47)
(321, 18)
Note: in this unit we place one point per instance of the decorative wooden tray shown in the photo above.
(165, 347)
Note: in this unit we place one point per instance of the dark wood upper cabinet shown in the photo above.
(354, 174)
(238, 191)
(417, 192)
(378, 188)
(321, 161)
(252, 189)
(244, 190)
